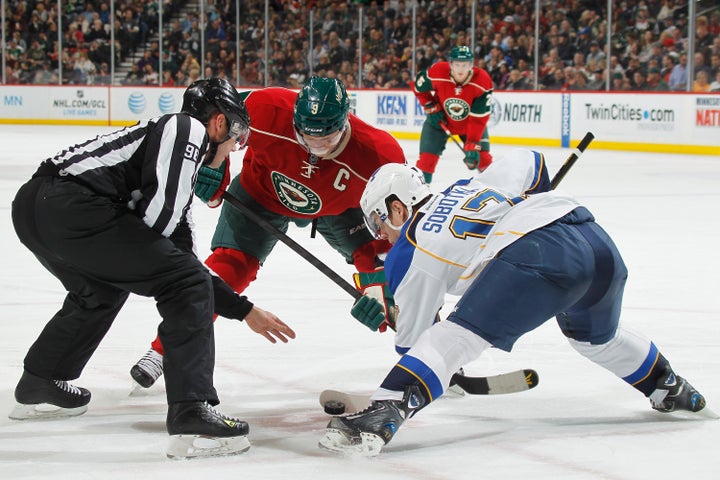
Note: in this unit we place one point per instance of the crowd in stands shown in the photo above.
(648, 49)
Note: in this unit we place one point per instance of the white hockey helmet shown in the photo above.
(397, 180)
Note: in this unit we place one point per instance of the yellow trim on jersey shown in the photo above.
(427, 390)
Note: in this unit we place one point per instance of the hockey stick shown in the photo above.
(296, 247)
(452, 137)
(336, 402)
(571, 160)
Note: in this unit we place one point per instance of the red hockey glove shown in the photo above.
(212, 182)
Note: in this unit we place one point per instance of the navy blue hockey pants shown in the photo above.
(569, 269)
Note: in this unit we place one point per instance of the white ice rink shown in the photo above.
(579, 423)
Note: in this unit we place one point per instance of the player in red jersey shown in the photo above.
(307, 158)
(458, 97)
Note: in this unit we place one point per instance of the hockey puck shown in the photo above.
(333, 407)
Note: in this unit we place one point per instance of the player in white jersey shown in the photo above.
(519, 255)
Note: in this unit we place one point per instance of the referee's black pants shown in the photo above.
(101, 252)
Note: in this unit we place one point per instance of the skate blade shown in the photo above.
(367, 445)
(198, 446)
(138, 390)
(707, 413)
(704, 414)
(44, 411)
(453, 391)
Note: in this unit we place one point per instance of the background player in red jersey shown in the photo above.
(458, 96)
(307, 158)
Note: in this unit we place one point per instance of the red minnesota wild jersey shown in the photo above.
(282, 176)
(467, 106)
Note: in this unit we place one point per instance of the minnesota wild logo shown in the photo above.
(294, 195)
(457, 108)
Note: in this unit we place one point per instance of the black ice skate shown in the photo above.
(40, 398)
(366, 432)
(148, 369)
(675, 393)
(198, 430)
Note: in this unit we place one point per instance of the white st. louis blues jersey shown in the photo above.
(453, 236)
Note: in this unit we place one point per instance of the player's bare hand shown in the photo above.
(268, 325)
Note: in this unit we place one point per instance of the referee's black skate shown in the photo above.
(674, 393)
(367, 432)
(198, 430)
(40, 398)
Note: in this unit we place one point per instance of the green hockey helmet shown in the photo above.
(321, 107)
(461, 53)
(205, 97)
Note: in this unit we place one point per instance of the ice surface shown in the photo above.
(580, 422)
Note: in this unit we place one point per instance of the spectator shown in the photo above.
(134, 76)
(579, 80)
(655, 81)
(150, 76)
(46, 75)
(36, 54)
(129, 31)
(597, 82)
(701, 84)
(168, 80)
(26, 74)
(565, 49)
(556, 81)
(668, 63)
(619, 82)
(83, 70)
(103, 76)
(180, 79)
(715, 85)
(678, 76)
(515, 81)
(639, 81)
(98, 31)
(595, 55)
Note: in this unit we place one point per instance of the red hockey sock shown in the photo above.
(236, 268)
(427, 162)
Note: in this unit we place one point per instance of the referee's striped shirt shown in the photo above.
(151, 166)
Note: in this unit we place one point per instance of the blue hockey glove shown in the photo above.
(373, 284)
(212, 182)
(369, 312)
